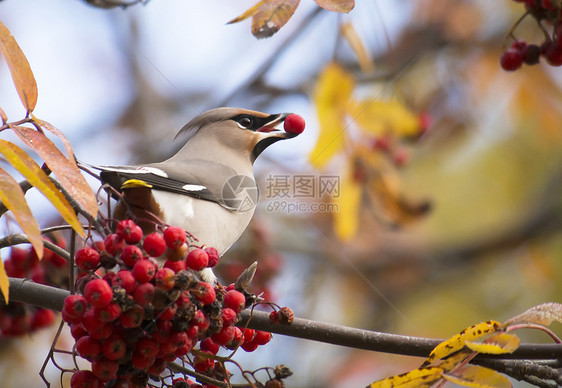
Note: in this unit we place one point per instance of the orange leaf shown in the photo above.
(331, 97)
(344, 6)
(350, 34)
(13, 198)
(271, 16)
(67, 146)
(19, 68)
(66, 171)
(38, 179)
(4, 282)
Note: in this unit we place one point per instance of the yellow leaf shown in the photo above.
(65, 170)
(4, 282)
(37, 178)
(479, 377)
(331, 97)
(344, 6)
(455, 360)
(346, 217)
(423, 377)
(350, 34)
(13, 198)
(457, 342)
(19, 68)
(498, 344)
(380, 117)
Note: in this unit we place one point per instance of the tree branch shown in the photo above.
(26, 291)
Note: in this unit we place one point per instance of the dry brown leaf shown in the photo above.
(343, 6)
(19, 68)
(543, 314)
(271, 16)
(365, 60)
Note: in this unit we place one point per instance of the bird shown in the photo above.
(208, 187)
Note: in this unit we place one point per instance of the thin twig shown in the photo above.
(20, 238)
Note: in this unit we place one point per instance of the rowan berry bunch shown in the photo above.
(137, 317)
(548, 16)
(17, 319)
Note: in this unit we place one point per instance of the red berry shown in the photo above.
(144, 271)
(154, 244)
(209, 345)
(249, 346)
(224, 336)
(554, 55)
(74, 307)
(237, 340)
(249, 335)
(114, 244)
(203, 362)
(228, 317)
(235, 300)
(511, 60)
(132, 317)
(273, 317)
(88, 348)
(174, 237)
(42, 318)
(140, 361)
(144, 294)
(168, 313)
(213, 256)
(77, 331)
(130, 255)
(98, 293)
(204, 292)
(197, 259)
(108, 313)
(262, 337)
(129, 231)
(157, 367)
(126, 280)
(105, 369)
(175, 266)
(294, 124)
(114, 347)
(87, 259)
(84, 379)
(165, 279)
(147, 347)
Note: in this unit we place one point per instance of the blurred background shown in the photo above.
(430, 232)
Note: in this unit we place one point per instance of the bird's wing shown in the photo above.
(197, 179)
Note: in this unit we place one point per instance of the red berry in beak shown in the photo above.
(294, 124)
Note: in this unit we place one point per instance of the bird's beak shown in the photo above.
(268, 134)
(276, 120)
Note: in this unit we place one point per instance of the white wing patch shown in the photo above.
(134, 170)
(193, 187)
(153, 170)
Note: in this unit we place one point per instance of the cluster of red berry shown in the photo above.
(549, 12)
(137, 317)
(17, 318)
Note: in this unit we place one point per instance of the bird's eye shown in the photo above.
(245, 122)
